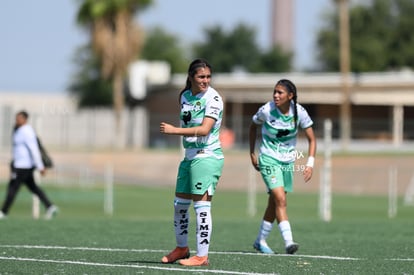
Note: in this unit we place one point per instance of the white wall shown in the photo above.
(61, 125)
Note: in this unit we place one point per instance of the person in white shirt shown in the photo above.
(26, 158)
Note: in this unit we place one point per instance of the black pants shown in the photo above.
(19, 176)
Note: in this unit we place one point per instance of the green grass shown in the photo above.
(360, 239)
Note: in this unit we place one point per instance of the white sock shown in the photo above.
(264, 231)
(181, 221)
(286, 232)
(204, 226)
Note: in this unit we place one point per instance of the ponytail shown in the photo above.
(291, 89)
(187, 86)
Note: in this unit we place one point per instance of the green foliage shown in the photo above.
(238, 50)
(115, 41)
(92, 9)
(275, 60)
(402, 39)
(160, 45)
(381, 37)
(226, 51)
(87, 84)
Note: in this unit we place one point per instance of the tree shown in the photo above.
(159, 45)
(237, 49)
(401, 48)
(275, 60)
(222, 51)
(381, 37)
(115, 39)
(87, 83)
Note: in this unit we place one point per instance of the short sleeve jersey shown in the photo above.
(278, 130)
(194, 108)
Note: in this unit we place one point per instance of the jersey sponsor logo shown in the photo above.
(187, 108)
(186, 117)
(213, 113)
(282, 132)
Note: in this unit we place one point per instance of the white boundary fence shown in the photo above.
(392, 192)
(85, 128)
(325, 190)
(409, 193)
(325, 194)
(86, 177)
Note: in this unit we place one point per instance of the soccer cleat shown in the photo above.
(195, 261)
(291, 249)
(177, 254)
(2, 215)
(263, 248)
(51, 212)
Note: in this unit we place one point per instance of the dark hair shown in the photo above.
(23, 114)
(192, 70)
(291, 88)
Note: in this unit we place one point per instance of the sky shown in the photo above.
(38, 39)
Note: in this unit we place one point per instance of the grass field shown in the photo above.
(360, 239)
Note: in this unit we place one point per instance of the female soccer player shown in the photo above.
(201, 168)
(279, 121)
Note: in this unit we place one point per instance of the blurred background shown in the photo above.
(97, 77)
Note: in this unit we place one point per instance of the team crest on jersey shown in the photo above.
(197, 106)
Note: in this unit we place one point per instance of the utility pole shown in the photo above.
(344, 48)
(282, 24)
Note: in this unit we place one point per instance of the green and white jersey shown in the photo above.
(279, 131)
(193, 111)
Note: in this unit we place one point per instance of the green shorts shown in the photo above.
(199, 176)
(276, 173)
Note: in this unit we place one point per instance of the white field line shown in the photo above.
(140, 266)
(211, 252)
(215, 271)
(402, 260)
(166, 251)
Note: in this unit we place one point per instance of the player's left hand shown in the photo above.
(254, 161)
(307, 173)
(166, 128)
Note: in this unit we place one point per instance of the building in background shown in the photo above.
(375, 114)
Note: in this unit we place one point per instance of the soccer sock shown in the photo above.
(181, 221)
(264, 231)
(286, 232)
(204, 226)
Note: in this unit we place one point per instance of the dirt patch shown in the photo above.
(358, 174)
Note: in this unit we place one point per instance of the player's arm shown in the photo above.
(252, 144)
(202, 130)
(33, 147)
(310, 136)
